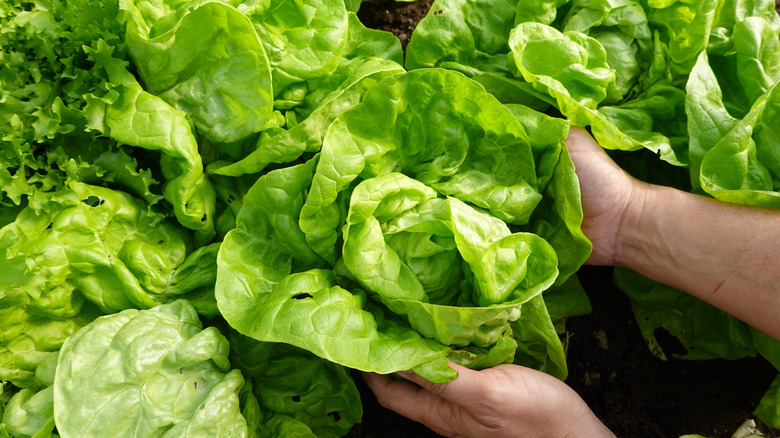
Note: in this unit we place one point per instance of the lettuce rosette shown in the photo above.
(432, 220)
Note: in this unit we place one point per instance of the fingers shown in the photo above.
(587, 153)
(413, 402)
(460, 391)
(469, 386)
(580, 140)
(583, 148)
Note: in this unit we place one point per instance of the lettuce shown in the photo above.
(218, 192)
(399, 236)
(122, 370)
(318, 399)
(227, 93)
(693, 83)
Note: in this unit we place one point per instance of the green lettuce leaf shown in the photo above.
(318, 399)
(304, 40)
(469, 37)
(586, 91)
(684, 28)
(132, 116)
(431, 266)
(363, 42)
(428, 130)
(704, 331)
(102, 243)
(737, 160)
(206, 60)
(122, 371)
(30, 413)
(538, 343)
(258, 295)
(508, 269)
(341, 91)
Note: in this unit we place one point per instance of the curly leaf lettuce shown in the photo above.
(30, 412)
(447, 139)
(508, 269)
(100, 244)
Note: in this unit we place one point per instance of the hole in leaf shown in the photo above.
(94, 201)
(669, 343)
(301, 296)
(296, 398)
(160, 242)
(203, 219)
(335, 415)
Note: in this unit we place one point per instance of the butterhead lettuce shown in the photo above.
(144, 373)
(408, 223)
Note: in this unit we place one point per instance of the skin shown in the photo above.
(724, 254)
(715, 251)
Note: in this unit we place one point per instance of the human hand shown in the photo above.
(607, 194)
(502, 401)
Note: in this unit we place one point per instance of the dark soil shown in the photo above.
(638, 395)
(634, 393)
(397, 17)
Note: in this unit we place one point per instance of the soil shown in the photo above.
(398, 17)
(634, 393)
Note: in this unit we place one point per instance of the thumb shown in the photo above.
(459, 391)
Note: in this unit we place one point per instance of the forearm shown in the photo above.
(724, 254)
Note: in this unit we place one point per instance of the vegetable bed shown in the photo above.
(213, 213)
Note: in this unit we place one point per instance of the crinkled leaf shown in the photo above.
(341, 91)
(123, 371)
(133, 116)
(470, 37)
(209, 64)
(304, 40)
(319, 394)
(436, 126)
(538, 343)
(30, 413)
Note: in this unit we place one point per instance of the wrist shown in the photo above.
(637, 225)
(646, 239)
(588, 426)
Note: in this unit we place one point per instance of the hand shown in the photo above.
(503, 401)
(607, 193)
